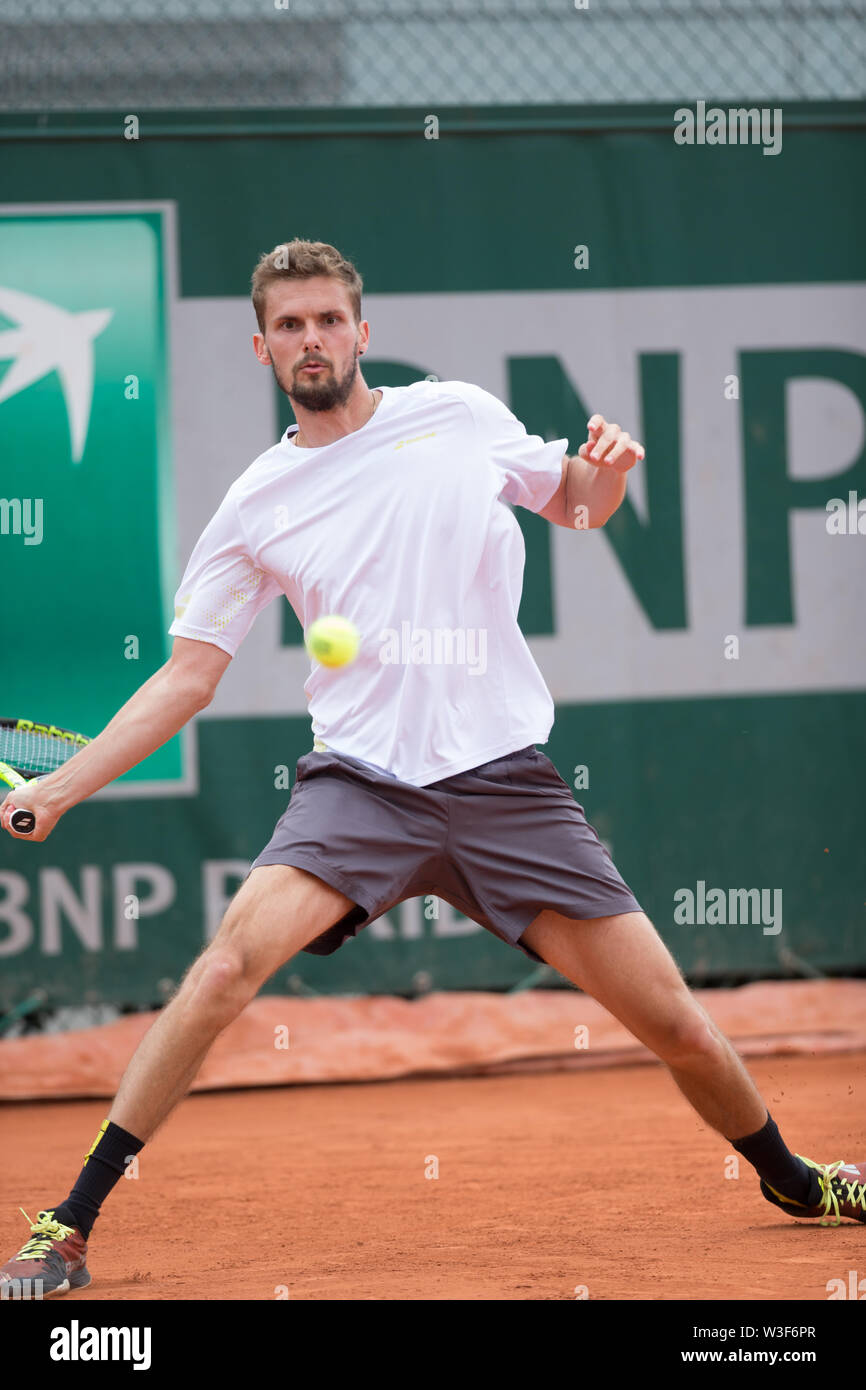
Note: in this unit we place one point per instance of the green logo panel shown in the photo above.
(85, 490)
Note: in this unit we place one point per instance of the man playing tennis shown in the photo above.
(388, 507)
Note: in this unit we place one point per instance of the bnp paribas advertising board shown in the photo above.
(705, 650)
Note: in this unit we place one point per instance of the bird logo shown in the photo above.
(51, 339)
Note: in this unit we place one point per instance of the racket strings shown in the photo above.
(34, 754)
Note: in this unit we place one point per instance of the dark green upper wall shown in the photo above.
(725, 213)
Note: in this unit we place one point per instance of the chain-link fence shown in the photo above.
(147, 54)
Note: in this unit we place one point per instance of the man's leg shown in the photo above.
(624, 964)
(276, 912)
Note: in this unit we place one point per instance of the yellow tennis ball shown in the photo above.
(333, 640)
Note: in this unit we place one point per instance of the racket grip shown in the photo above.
(23, 821)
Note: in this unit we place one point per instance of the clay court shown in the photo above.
(540, 594)
(549, 1182)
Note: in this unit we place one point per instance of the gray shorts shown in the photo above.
(500, 843)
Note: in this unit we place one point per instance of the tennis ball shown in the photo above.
(333, 640)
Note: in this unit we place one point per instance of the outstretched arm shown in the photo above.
(594, 479)
(154, 714)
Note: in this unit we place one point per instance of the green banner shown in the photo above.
(705, 650)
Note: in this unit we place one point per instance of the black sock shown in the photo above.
(104, 1166)
(774, 1162)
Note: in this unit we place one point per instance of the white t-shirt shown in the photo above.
(401, 526)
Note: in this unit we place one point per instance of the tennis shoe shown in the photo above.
(52, 1261)
(843, 1193)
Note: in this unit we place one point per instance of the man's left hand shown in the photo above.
(608, 446)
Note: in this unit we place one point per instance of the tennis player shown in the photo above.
(391, 508)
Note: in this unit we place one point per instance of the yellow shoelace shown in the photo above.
(828, 1173)
(45, 1229)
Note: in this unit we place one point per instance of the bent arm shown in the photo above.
(587, 497)
(155, 713)
(594, 479)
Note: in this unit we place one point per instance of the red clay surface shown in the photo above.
(603, 1179)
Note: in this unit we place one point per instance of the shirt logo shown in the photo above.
(415, 439)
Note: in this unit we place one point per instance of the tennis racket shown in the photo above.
(29, 751)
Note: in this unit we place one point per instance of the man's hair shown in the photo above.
(301, 260)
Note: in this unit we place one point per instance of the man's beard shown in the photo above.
(323, 391)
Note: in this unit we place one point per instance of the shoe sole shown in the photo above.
(79, 1280)
(799, 1214)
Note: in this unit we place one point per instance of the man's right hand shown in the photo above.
(37, 799)
(155, 713)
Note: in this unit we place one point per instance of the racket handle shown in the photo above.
(23, 821)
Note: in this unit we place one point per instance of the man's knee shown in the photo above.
(688, 1036)
(218, 984)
